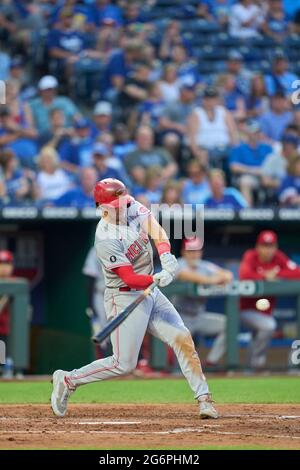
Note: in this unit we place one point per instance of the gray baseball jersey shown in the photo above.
(191, 306)
(124, 245)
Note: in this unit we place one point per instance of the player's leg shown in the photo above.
(126, 342)
(263, 327)
(167, 325)
(213, 324)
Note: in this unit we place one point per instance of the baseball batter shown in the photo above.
(124, 250)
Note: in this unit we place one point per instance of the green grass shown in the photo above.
(225, 390)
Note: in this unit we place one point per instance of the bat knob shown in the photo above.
(94, 339)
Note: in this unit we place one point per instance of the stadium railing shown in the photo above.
(18, 291)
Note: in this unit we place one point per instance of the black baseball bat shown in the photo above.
(112, 325)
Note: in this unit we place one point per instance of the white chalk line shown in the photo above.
(91, 421)
(260, 416)
(206, 428)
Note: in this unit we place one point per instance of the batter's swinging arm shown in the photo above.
(111, 326)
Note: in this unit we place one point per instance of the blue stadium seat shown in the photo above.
(202, 26)
(225, 40)
(209, 53)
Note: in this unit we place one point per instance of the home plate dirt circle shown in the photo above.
(150, 426)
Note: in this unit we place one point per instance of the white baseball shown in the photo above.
(263, 304)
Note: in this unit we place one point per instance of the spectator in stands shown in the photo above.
(215, 10)
(16, 184)
(103, 9)
(235, 66)
(169, 84)
(221, 196)
(274, 122)
(171, 38)
(246, 19)
(51, 182)
(196, 188)
(292, 8)
(5, 61)
(193, 269)
(257, 101)
(172, 194)
(100, 161)
(211, 126)
(147, 155)
(120, 65)
(174, 118)
(102, 118)
(8, 26)
(246, 162)
(108, 38)
(22, 122)
(79, 152)
(19, 75)
(122, 142)
(152, 190)
(280, 80)
(151, 109)
(133, 13)
(233, 100)
(15, 137)
(276, 24)
(263, 263)
(187, 68)
(133, 93)
(81, 196)
(67, 44)
(58, 135)
(289, 191)
(48, 99)
(274, 168)
(82, 14)
(296, 123)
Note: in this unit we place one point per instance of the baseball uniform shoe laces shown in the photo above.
(61, 393)
(206, 408)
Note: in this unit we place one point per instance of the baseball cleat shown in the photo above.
(206, 408)
(60, 394)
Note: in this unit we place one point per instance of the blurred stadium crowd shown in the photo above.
(186, 102)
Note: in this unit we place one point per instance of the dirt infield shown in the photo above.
(149, 426)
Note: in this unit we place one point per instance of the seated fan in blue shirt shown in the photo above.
(246, 162)
(222, 197)
(81, 196)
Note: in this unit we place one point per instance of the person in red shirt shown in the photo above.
(265, 262)
(6, 271)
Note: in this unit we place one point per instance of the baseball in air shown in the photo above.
(263, 304)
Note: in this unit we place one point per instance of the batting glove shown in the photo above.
(169, 263)
(163, 278)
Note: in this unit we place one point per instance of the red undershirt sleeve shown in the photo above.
(132, 279)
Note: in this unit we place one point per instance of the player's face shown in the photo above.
(117, 215)
(192, 256)
(6, 270)
(266, 252)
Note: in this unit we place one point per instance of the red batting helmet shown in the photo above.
(111, 192)
(6, 256)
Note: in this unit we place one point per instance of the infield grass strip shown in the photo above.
(225, 390)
